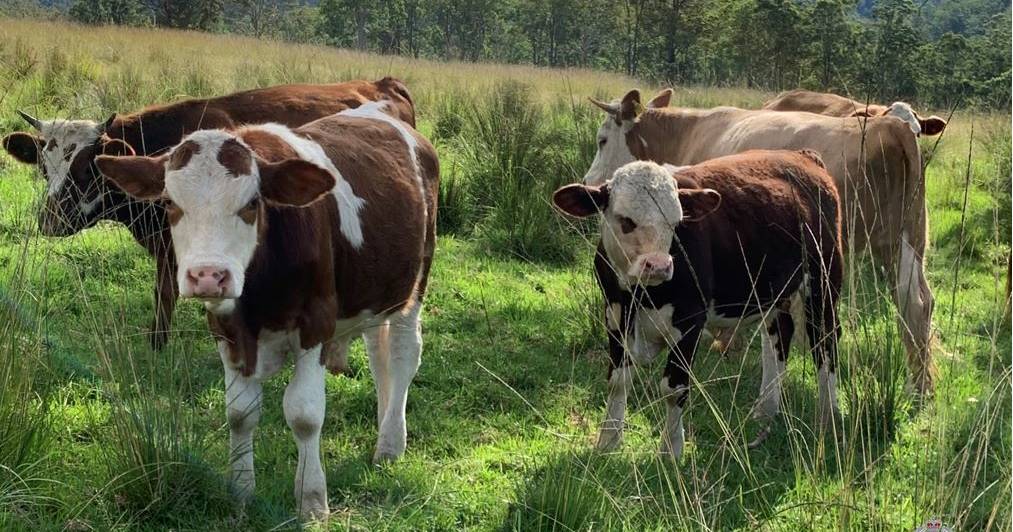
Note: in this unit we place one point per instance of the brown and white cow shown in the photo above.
(825, 103)
(875, 163)
(730, 239)
(291, 237)
(77, 197)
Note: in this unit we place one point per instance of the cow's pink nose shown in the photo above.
(658, 267)
(208, 281)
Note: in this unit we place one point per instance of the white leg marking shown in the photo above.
(377, 340)
(768, 405)
(611, 433)
(304, 405)
(242, 409)
(827, 395)
(673, 436)
(613, 316)
(405, 356)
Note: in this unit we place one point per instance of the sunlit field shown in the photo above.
(97, 431)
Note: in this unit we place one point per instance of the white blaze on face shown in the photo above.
(904, 112)
(612, 153)
(639, 223)
(210, 233)
(64, 139)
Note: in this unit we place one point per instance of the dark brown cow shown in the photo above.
(727, 240)
(77, 196)
(279, 280)
(825, 103)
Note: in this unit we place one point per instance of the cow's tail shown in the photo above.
(912, 295)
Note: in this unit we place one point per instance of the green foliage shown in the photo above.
(121, 12)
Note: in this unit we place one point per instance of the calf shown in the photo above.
(727, 240)
(291, 237)
(77, 196)
(825, 103)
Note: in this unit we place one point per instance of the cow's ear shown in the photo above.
(661, 100)
(932, 125)
(24, 147)
(117, 148)
(630, 106)
(581, 201)
(293, 182)
(140, 177)
(697, 204)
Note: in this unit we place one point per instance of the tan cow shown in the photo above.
(825, 103)
(875, 163)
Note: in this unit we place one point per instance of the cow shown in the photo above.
(289, 237)
(77, 197)
(728, 240)
(825, 103)
(875, 162)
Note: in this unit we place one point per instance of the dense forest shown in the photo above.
(937, 52)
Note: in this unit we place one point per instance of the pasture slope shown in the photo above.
(99, 432)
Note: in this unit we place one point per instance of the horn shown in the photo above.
(108, 123)
(34, 122)
(610, 108)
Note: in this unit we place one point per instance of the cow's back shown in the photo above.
(159, 127)
(817, 102)
(397, 182)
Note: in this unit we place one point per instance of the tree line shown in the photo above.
(941, 53)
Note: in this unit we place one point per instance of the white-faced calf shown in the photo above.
(727, 240)
(292, 237)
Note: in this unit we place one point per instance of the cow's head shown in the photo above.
(641, 207)
(614, 138)
(65, 150)
(214, 189)
(930, 126)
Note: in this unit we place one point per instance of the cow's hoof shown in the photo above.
(766, 409)
(760, 438)
(386, 455)
(311, 513)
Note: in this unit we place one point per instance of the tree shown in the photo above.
(122, 12)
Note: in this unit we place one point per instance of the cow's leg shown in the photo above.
(242, 409)
(405, 356)
(304, 405)
(166, 291)
(778, 329)
(378, 347)
(620, 378)
(335, 356)
(823, 329)
(675, 389)
(915, 303)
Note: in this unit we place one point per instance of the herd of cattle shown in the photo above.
(303, 216)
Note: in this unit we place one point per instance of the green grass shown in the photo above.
(97, 431)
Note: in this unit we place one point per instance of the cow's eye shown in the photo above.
(172, 211)
(51, 144)
(249, 211)
(627, 225)
(601, 142)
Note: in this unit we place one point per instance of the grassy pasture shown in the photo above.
(99, 432)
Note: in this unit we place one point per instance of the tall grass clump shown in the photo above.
(153, 461)
(25, 431)
(513, 153)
